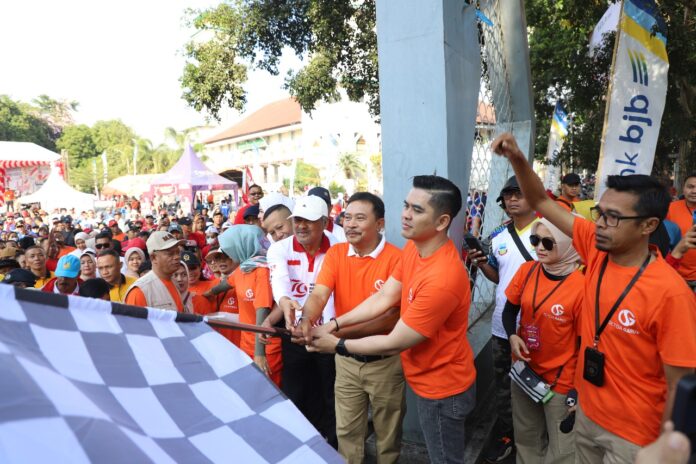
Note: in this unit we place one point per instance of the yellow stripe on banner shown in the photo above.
(652, 43)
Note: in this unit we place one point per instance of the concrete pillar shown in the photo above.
(429, 69)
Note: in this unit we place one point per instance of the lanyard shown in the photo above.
(535, 306)
(599, 329)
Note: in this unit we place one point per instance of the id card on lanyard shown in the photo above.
(532, 333)
(593, 370)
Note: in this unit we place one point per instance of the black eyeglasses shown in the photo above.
(101, 246)
(610, 219)
(546, 242)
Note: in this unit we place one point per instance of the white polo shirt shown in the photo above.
(293, 272)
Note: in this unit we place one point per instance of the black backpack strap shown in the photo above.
(518, 242)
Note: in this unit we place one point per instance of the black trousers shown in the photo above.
(308, 381)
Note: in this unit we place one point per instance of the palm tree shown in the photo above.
(350, 165)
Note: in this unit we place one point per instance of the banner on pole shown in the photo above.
(557, 135)
(637, 90)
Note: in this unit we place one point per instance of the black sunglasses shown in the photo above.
(546, 242)
(101, 246)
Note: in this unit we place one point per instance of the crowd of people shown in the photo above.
(592, 323)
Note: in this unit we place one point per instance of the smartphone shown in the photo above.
(684, 412)
(472, 243)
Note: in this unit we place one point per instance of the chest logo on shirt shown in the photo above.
(378, 284)
(557, 310)
(502, 249)
(626, 318)
(249, 294)
(231, 301)
(299, 289)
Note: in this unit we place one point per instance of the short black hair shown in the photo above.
(689, 176)
(109, 252)
(94, 288)
(652, 197)
(377, 203)
(274, 208)
(103, 234)
(446, 197)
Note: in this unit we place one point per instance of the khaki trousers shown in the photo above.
(380, 384)
(538, 438)
(595, 444)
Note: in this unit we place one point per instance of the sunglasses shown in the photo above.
(546, 242)
(101, 246)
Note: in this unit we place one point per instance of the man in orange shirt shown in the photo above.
(682, 212)
(156, 289)
(570, 191)
(431, 335)
(354, 271)
(638, 321)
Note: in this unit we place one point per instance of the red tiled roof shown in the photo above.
(280, 113)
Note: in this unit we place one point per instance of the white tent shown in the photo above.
(19, 154)
(56, 193)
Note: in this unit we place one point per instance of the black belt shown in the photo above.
(367, 359)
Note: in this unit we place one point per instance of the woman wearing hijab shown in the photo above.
(247, 245)
(547, 295)
(88, 265)
(134, 257)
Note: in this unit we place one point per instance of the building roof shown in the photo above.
(280, 113)
(26, 151)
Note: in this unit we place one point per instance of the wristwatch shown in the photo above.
(341, 348)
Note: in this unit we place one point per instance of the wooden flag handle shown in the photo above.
(226, 321)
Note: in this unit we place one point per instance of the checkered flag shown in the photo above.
(85, 380)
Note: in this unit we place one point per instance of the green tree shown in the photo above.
(306, 175)
(350, 165)
(562, 70)
(79, 142)
(335, 188)
(181, 139)
(337, 35)
(18, 123)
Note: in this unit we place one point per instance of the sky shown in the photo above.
(119, 60)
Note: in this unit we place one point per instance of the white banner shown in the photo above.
(637, 90)
(608, 23)
(557, 135)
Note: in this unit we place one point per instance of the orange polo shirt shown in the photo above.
(435, 299)
(353, 278)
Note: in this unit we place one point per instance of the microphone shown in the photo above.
(569, 422)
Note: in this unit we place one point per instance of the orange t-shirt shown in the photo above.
(201, 287)
(64, 250)
(557, 318)
(136, 297)
(565, 203)
(352, 278)
(654, 325)
(201, 305)
(435, 299)
(683, 216)
(253, 291)
(120, 237)
(226, 302)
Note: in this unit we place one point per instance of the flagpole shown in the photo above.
(598, 180)
(220, 320)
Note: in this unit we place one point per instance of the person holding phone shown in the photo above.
(638, 323)
(683, 213)
(548, 294)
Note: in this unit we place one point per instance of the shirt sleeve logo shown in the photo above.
(502, 249)
(410, 295)
(378, 284)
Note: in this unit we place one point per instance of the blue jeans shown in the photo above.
(443, 425)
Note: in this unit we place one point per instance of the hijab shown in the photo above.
(246, 245)
(186, 297)
(568, 258)
(129, 252)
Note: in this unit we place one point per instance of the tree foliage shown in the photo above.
(338, 36)
(351, 166)
(562, 70)
(20, 123)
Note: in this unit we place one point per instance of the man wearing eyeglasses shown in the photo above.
(255, 195)
(638, 322)
(510, 248)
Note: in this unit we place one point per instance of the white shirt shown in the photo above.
(506, 257)
(338, 232)
(293, 272)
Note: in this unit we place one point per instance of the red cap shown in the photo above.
(136, 242)
(112, 223)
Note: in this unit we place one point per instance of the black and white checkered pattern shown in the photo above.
(80, 383)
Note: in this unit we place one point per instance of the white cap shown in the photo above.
(161, 240)
(311, 208)
(276, 198)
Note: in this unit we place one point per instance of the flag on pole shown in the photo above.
(637, 90)
(247, 182)
(87, 380)
(557, 135)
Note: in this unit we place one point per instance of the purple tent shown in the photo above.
(189, 176)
